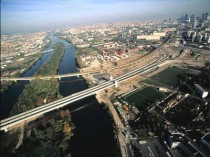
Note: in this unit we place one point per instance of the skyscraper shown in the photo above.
(194, 37)
(195, 24)
(186, 17)
(204, 16)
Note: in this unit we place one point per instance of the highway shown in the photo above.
(11, 121)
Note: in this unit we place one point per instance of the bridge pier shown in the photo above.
(5, 129)
(110, 78)
(78, 76)
(116, 84)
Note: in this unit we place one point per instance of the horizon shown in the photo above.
(22, 16)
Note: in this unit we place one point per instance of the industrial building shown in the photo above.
(148, 37)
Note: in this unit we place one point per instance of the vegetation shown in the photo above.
(150, 126)
(143, 98)
(47, 42)
(49, 137)
(50, 67)
(27, 64)
(168, 77)
(49, 134)
(38, 92)
(80, 62)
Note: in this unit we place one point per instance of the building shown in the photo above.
(199, 38)
(194, 37)
(187, 147)
(169, 29)
(204, 16)
(189, 34)
(195, 24)
(148, 37)
(208, 39)
(186, 17)
(206, 140)
(200, 91)
(83, 45)
(111, 45)
(205, 36)
(161, 34)
(151, 148)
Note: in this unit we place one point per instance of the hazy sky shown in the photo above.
(35, 15)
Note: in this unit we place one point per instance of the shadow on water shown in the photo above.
(93, 136)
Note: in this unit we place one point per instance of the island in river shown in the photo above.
(48, 134)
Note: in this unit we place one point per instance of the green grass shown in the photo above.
(168, 77)
(80, 62)
(86, 50)
(143, 98)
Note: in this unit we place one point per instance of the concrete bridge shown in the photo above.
(38, 111)
(45, 77)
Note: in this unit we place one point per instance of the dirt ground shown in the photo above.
(133, 62)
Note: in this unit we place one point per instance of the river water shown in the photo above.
(10, 97)
(93, 136)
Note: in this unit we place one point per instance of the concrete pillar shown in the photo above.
(78, 76)
(110, 78)
(116, 84)
(5, 129)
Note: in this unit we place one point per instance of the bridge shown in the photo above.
(45, 77)
(79, 74)
(38, 111)
(48, 50)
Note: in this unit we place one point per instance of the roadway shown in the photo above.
(80, 74)
(45, 77)
(33, 113)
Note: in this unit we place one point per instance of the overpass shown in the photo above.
(45, 77)
(33, 113)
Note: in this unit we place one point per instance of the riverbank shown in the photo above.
(94, 132)
(39, 92)
(51, 129)
(102, 97)
(27, 66)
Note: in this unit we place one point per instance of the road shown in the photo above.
(22, 117)
(45, 77)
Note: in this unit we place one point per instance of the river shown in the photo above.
(10, 97)
(93, 135)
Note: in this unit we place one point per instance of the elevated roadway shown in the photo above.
(33, 113)
(45, 77)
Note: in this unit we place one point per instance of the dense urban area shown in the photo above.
(158, 97)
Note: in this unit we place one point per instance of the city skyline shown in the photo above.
(26, 16)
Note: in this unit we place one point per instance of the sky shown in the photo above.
(37, 15)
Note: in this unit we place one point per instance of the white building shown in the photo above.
(161, 34)
(148, 37)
